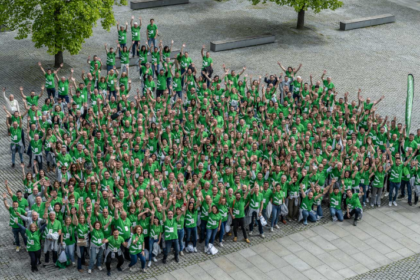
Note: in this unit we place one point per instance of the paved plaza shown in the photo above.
(385, 245)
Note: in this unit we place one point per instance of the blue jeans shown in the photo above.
(307, 215)
(155, 69)
(16, 232)
(17, 150)
(191, 236)
(70, 252)
(275, 212)
(264, 213)
(393, 186)
(203, 228)
(181, 238)
(134, 260)
(168, 83)
(82, 257)
(319, 211)
(95, 257)
(211, 235)
(122, 47)
(134, 48)
(336, 213)
(364, 193)
(403, 184)
(179, 94)
(109, 68)
(151, 243)
(169, 244)
(251, 225)
(222, 230)
(150, 41)
(51, 93)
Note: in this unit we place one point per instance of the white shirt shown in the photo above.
(11, 106)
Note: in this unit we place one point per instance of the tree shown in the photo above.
(57, 24)
(301, 6)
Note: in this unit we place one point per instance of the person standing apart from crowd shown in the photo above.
(50, 80)
(152, 33)
(135, 34)
(122, 36)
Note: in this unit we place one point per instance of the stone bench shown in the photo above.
(135, 60)
(241, 42)
(366, 22)
(146, 4)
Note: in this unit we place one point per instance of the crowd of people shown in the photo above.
(192, 156)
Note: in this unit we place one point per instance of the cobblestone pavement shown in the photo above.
(408, 268)
(376, 59)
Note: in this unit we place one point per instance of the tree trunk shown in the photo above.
(58, 59)
(301, 19)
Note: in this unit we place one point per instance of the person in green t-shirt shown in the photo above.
(170, 227)
(213, 226)
(32, 99)
(255, 204)
(336, 196)
(113, 250)
(354, 207)
(50, 80)
(136, 248)
(152, 33)
(122, 35)
(96, 245)
(110, 58)
(395, 176)
(308, 201)
(237, 211)
(33, 244)
(15, 220)
(135, 34)
(125, 57)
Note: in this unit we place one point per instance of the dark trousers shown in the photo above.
(51, 93)
(16, 232)
(239, 222)
(109, 259)
(356, 212)
(126, 251)
(251, 225)
(203, 230)
(35, 257)
(81, 260)
(169, 244)
(54, 258)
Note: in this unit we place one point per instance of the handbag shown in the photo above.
(263, 221)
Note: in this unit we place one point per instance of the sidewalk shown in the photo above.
(332, 251)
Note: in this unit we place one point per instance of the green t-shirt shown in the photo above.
(122, 36)
(151, 31)
(97, 236)
(353, 202)
(49, 80)
(213, 221)
(396, 173)
(110, 58)
(15, 219)
(171, 229)
(191, 219)
(114, 244)
(335, 200)
(135, 249)
(123, 227)
(278, 197)
(33, 244)
(68, 233)
(63, 88)
(135, 33)
(238, 208)
(378, 182)
(307, 203)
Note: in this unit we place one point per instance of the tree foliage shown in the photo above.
(57, 24)
(315, 5)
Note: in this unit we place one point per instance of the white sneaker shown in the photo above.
(395, 203)
(74, 263)
(262, 236)
(154, 259)
(181, 253)
(133, 269)
(149, 264)
(390, 204)
(221, 244)
(100, 268)
(271, 229)
(17, 248)
(276, 226)
(206, 249)
(89, 271)
(367, 199)
(195, 249)
(334, 219)
(251, 233)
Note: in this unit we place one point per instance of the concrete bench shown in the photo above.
(366, 22)
(241, 42)
(135, 60)
(146, 4)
